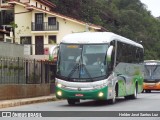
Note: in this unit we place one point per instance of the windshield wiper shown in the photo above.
(73, 70)
(80, 67)
(89, 75)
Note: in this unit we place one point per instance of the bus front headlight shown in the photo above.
(59, 85)
(59, 93)
(100, 94)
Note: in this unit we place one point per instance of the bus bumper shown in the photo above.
(97, 94)
(151, 86)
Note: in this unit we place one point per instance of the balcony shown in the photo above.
(44, 26)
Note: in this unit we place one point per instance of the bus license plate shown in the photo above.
(79, 95)
(151, 85)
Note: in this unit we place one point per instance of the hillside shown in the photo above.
(128, 18)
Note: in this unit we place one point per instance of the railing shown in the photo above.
(24, 71)
(44, 26)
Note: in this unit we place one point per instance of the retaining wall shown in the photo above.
(15, 91)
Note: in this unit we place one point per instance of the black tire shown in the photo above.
(134, 96)
(72, 101)
(148, 91)
(127, 97)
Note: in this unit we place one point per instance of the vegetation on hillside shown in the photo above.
(128, 18)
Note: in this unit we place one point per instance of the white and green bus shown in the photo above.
(118, 74)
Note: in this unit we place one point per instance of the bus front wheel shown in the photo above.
(134, 95)
(72, 101)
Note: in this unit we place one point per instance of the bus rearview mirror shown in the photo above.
(109, 53)
(53, 53)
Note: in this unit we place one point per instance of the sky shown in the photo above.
(153, 6)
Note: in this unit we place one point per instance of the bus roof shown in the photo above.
(151, 60)
(96, 37)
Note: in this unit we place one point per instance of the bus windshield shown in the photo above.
(152, 72)
(82, 62)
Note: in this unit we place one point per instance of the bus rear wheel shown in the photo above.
(134, 96)
(73, 101)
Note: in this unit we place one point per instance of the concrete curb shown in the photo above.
(24, 101)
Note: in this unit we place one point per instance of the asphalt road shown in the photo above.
(145, 103)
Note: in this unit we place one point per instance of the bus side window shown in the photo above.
(112, 43)
(119, 53)
(111, 65)
(141, 55)
(138, 55)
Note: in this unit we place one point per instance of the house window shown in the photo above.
(6, 17)
(52, 39)
(4, 1)
(51, 20)
(25, 40)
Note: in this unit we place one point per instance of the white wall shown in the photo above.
(23, 20)
(33, 2)
(68, 27)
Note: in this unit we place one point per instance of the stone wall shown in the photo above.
(15, 91)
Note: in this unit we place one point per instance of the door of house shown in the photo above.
(38, 21)
(39, 45)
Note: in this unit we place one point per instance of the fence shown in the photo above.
(25, 71)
